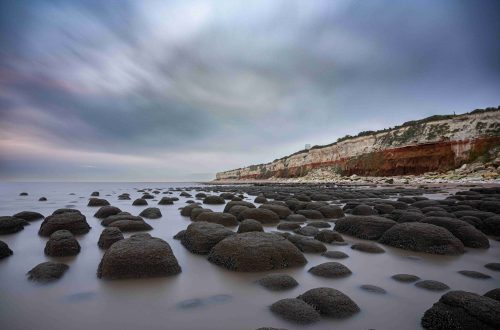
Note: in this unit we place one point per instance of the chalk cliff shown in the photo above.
(437, 143)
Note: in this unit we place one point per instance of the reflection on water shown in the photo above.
(203, 296)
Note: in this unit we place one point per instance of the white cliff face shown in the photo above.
(459, 132)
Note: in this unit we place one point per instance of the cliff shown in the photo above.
(437, 143)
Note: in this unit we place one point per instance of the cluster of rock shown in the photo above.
(312, 304)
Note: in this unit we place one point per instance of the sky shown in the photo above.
(177, 90)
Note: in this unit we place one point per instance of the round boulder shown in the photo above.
(5, 251)
(225, 219)
(28, 216)
(47, 271)
(364, 227)
(106, 211)
(10, 225)
(463, 310)
(249, 225)
(62, 243)
(330, 302)
(109, 236)
(277, 282)
(201, 237)
(330, 270)
(75, 222)
(97, 202)
(138, 256)
(295, 310)
(254, 252)
(263, 216)
(422, 237)
(214, 200)
(151, 213)
(432, 285)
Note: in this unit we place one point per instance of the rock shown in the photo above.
(463, 310)
(264, 216)
(364, 227)
(138, 256)
(214, 200)
(425, 203)
(5, 251)
(330, 302)
(330, 269)
(42, 199)
(307, 231)
(226, 195)
(28, 216)
(384, 208)
(106, 211)
(331, 212)
(490, 206)
(373, 289)
(109, 236)
(201, 237)
(406, 278)
(249, 225)
(363, 209)
(493, 294)
(288, 226)
(200, 195)
(470, 236)
(197, 211)
(281, 211)
(180, 234)
(97, 202)
(147, 196)
(474, 274)
(167, 200)
(422, 237)
(334, 255)
(296, 218)
(23, 194)
(186, 210)
(254, 252)
(311, 214)
(185, 194)
(260, 200)
(493, 266)
(432, 285)
(367, 247)
(75, 222)
(225, 219)
(240, 203)
(61, 211)
(491, 226)
(140, 202)
(410, 217)
(307, 244)
(319, 224)
(62, 243)
(278, 282)
(295, 310)
(328, 236)
(151, 213)
(120, 216)
(47, 271)
(94, 194)
(131, 225)
(10, 225)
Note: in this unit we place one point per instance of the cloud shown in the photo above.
(220, 84)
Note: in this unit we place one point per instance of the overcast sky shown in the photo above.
(178, 90)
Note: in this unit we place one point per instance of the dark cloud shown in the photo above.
(172, 86)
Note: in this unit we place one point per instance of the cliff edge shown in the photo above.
(437, 143)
